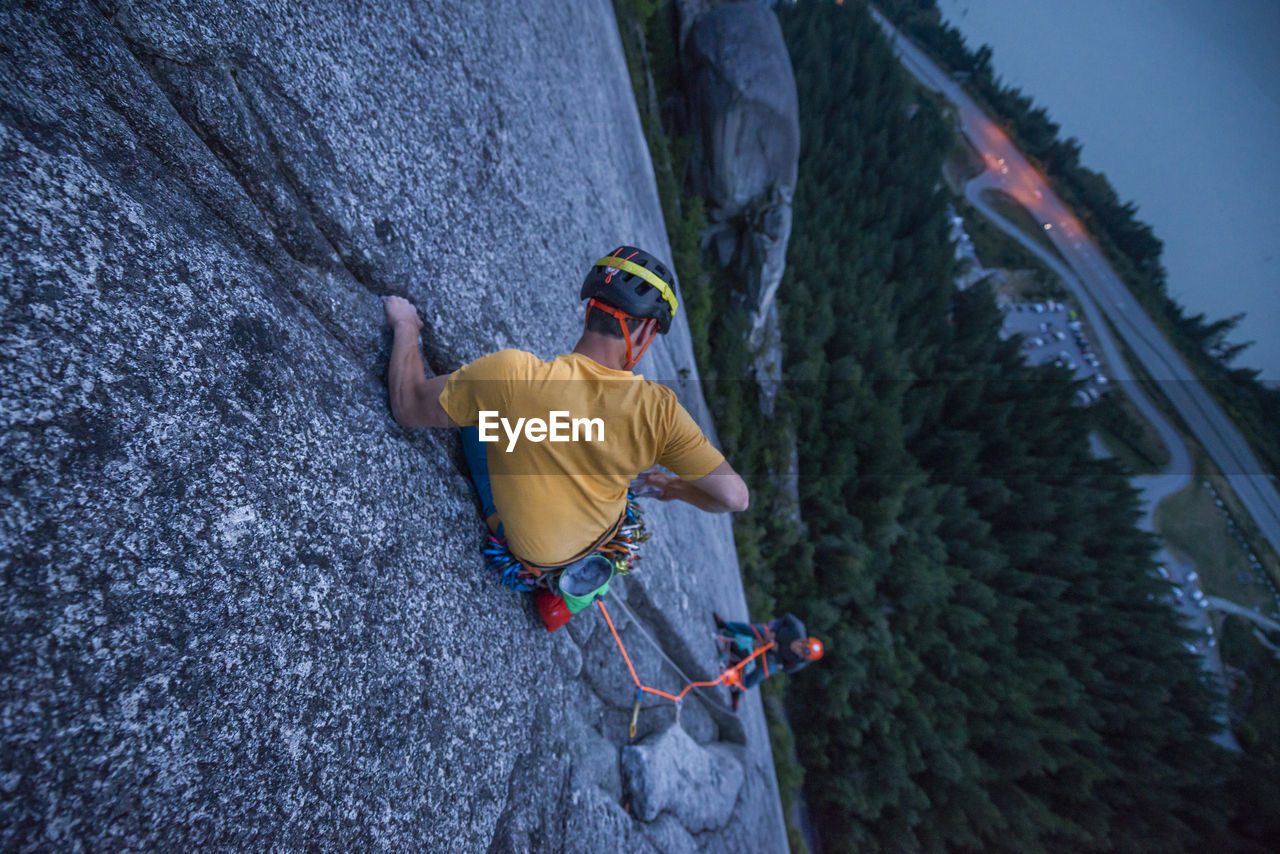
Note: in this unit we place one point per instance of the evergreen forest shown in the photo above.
(1003, 669)
(1004, 673)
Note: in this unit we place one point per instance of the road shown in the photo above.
(1178, 473)
(1091, 277)
(1232, 608)
(1101, 293)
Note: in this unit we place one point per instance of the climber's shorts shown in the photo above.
(476, 454)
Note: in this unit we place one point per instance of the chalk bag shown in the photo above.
(584, 580)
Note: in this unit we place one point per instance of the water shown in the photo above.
(1178, 102)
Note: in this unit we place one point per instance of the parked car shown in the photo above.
(1190, 646)
(1060, 335)
(1164, 573)
(1193, 576)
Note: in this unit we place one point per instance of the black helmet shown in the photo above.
(634, 281)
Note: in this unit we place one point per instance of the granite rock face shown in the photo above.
(668, 835)
(745, 115)
(242, 608)
(669, 771)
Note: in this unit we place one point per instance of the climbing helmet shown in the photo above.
(812, 649)
(634, 282)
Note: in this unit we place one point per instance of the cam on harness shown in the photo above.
(562, 590)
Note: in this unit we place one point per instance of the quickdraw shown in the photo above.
(635, 713)
(623, 548)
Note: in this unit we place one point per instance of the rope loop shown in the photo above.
(731, 675)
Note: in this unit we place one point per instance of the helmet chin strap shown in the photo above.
(631, 364)
(622, 317)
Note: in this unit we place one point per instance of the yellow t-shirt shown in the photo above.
(559, 487)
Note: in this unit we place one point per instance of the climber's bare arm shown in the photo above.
(415, 400)
(721, 490)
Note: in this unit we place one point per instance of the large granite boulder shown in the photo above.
(242, 609)
(670, 772)
(744, 112)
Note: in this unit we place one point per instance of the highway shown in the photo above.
(1095, 284)
(1232, 608)
(1176, 476)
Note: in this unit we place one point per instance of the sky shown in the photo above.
(1178, 102)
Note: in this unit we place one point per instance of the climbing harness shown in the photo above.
(620, 545)
(732, 675)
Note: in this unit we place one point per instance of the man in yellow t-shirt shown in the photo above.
(561, 440)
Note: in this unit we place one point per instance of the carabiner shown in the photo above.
(635, 714)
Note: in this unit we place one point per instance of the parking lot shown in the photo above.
(1188, 599)
(1050, 335)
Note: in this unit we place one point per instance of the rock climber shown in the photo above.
(552, 494)
(792, 649)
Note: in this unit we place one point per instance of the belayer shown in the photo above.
(556, 498)
(790, 649)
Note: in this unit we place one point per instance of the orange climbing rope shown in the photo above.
(731, 676)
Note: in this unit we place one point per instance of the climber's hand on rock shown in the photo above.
(655, 484)
(400, 311)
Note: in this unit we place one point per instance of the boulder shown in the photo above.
(745, 116)
(669, 771)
